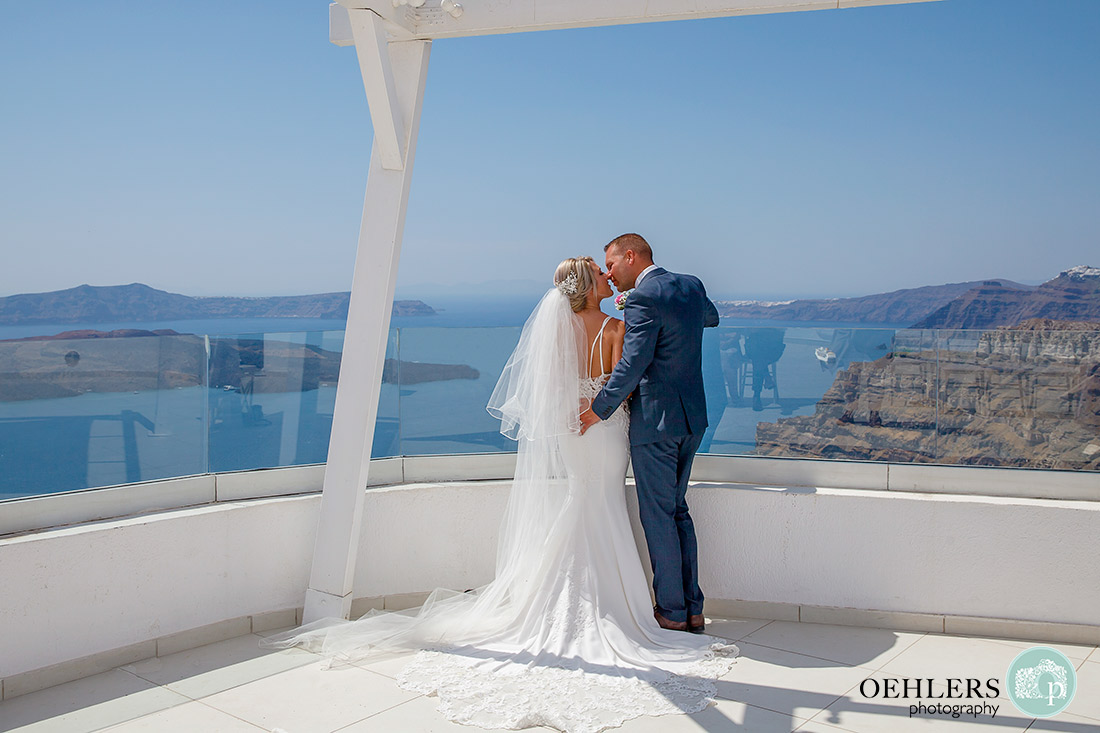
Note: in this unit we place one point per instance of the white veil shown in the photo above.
(532, 396)
(537, 399)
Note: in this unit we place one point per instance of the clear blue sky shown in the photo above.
(213, 147)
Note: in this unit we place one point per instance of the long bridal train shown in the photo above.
(564, 636)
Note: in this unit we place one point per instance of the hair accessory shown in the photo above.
(568, 286)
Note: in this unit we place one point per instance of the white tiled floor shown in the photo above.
(790, 676)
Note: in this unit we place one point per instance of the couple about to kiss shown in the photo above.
(566, 635)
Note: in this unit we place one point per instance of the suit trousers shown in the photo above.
(661, 471)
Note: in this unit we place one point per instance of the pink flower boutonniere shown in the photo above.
(620, 299)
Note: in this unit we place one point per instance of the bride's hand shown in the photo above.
(588, 419)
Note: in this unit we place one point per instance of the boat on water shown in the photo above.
(826, 356)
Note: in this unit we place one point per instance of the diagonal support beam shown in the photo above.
(338, 527)
(377, 69)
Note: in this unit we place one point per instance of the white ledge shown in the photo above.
(89, 505)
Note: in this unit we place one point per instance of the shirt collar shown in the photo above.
(643, 273)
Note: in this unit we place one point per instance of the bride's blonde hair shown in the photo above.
(574, 278)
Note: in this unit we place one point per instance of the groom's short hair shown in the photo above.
(634, 242)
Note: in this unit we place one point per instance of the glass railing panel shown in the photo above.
(779, 384)
(743, 374)
(387, 428)
(258, 382)
(821, 392)
(882, 404)
(906, 429)
(446, 377)
(1020, 397)
(82, 413)
(272, 397)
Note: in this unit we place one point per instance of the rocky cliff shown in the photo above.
(1027, 396)
(137, 302)
(1072, 296)
(899, 306)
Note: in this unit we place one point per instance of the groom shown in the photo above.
(661, 368)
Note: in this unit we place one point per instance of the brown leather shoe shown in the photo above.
(665, 623)
(697, 624)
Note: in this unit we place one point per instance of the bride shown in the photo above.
(564, 636)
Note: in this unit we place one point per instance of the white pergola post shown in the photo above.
(393, 75)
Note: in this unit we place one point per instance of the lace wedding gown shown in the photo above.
(564, 636)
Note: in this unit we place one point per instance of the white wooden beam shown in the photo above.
(339, 25)
(371, 46)
(384, 207)
(486, 17)
(398, 22)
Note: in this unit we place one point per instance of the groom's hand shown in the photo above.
(588, 419)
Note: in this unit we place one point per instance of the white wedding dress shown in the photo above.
(564, 636)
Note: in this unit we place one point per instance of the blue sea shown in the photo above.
(279, 415)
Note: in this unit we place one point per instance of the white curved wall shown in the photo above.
(995, 557)
(940, 554)
(429, 536)
(79, 591)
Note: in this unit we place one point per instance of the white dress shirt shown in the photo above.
(643, 273)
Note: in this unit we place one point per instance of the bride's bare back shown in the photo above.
(604, 344)
(610, 336)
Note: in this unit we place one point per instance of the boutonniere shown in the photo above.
(620, 299)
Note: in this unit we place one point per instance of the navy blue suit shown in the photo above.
(662, 366)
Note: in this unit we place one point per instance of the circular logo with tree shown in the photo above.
(1041, 682)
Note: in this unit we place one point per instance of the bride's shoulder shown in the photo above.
(616, 326)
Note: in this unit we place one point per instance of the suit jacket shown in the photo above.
(662, 359)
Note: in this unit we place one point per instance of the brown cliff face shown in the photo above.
(1072, 296)
(1026, 397)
